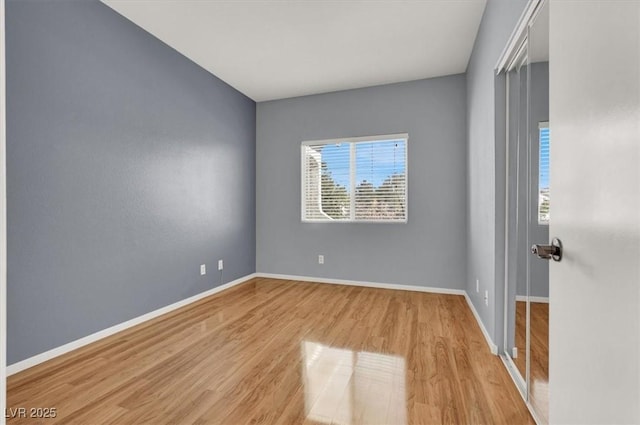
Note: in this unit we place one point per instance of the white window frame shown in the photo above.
(352, 170)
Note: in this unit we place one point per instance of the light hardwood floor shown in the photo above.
(284, 352)
(539, 369)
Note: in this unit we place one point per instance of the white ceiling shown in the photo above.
(273, 49)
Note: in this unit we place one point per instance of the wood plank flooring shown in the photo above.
(284, 352)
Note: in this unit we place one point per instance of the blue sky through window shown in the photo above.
(543, 177)
(336, 157)
(375, 161)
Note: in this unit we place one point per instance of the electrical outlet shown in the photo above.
(477, 285)
(486, 298)
(203, 269)
(220, 264)
(320, 259)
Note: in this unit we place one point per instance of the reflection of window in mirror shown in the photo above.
(543, 173)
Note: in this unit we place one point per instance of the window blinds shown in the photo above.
(357, 179)
(543, 175)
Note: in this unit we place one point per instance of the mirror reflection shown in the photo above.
(517, 252)
(528, 200)
(539, 212)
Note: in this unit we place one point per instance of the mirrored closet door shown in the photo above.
(528, 214)
(516, 332)
(539, 139)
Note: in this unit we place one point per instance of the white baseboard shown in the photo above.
(366, 284)
(73, 345)
(518, 381)
(493, 347)
(66, 348)
(544, 300)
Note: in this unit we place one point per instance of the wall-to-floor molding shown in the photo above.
(492, 346)
(378, 285)
(544, 300)
(58, 351)
(517, 379)
(519, 383)
(73, 345)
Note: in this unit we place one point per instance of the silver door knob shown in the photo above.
(548, 252)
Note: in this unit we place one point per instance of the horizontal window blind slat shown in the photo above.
(543, 175)
(355, 180)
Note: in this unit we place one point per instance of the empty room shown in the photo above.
(320, 212)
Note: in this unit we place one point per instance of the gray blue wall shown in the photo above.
(429, 250)
(538, 112)
(128, 167)
(485, 152)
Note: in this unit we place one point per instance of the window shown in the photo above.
(543, 173)
(355, 179)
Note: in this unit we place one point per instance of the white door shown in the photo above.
(595, 185)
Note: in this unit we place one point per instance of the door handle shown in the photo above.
(548, 252)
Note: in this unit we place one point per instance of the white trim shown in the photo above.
(378, 285)
(352, 221)
(3, 219)
(492, 346)
(521, 57)
(515, 377)
(353, 181)
(517, 36)
(544, 300)
(507, 199)
(517, 380)
(352, 141)
(508, 58)
(53, 353)
(380, 137)
(303, 171)
(63, 349)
